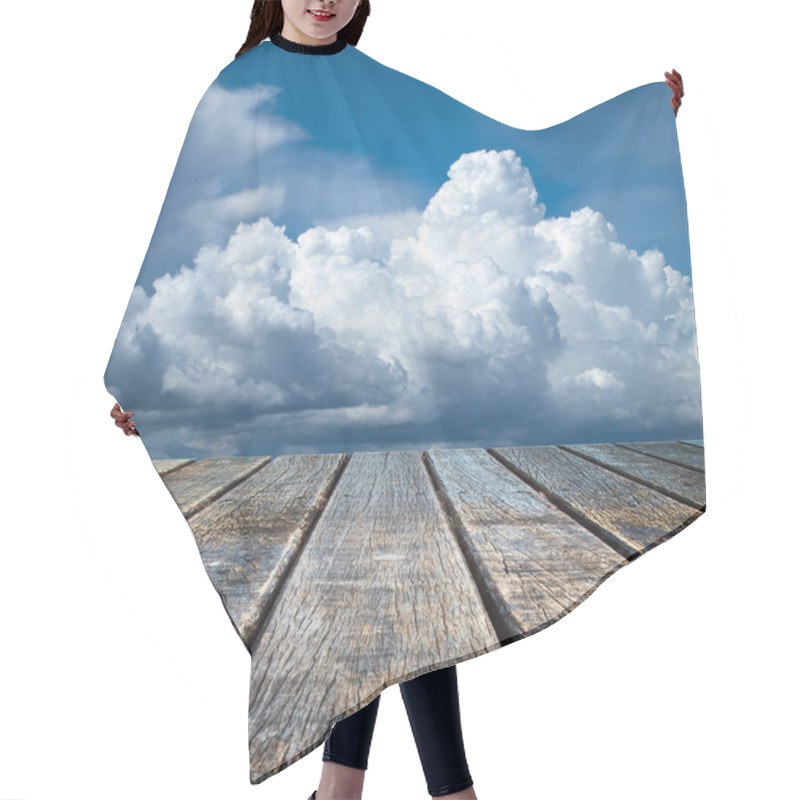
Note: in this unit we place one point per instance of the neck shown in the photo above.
(294, 34)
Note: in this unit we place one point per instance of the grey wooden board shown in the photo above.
(380, 594)
(680, 483)
(536, 562)
(634, 514)
(195, 486)
(345, 579)
(688, 455)
(250, 538)
(165, 465)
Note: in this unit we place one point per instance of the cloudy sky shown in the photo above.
(348, 259)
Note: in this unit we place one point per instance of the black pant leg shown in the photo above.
(351, 737)
(433, 710)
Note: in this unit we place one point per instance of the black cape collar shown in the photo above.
(311, 49)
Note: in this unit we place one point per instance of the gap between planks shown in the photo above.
(623, 548)
(681, 498)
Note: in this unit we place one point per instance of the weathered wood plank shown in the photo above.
(250, 539)
(195, 486)
(380, 594)
(687, 455)
(536, 563)
(613, 507)
(682, 484)
(166, 465)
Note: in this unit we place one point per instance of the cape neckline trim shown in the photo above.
(310, 49)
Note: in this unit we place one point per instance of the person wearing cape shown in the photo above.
(419, 381)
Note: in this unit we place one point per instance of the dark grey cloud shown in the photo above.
(479, 321)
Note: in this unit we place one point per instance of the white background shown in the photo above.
(121, 674)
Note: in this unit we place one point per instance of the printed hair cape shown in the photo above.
(419, 381)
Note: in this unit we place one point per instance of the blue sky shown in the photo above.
(348, 258)
(563, 159)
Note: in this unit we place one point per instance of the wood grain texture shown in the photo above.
(687, 455)
(613, 507)
(346, 576)
(682, 484)
(380, 595)
(250, 538)
(536, 562)
(166, 465)
(195, 486)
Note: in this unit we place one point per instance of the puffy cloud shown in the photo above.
(477, 322)
(228, 128)
(241, 161)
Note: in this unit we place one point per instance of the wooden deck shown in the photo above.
(344, 574)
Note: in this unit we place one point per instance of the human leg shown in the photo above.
(346, 754)
(351, 737)
(432, 705)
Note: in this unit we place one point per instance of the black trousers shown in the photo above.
(431, 702)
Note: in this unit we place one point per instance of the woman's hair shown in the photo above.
(266, 18)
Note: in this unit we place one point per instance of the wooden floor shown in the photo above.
(344, 574)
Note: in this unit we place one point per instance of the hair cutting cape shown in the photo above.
(419, 381)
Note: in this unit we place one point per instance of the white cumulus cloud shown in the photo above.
(479, 321)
